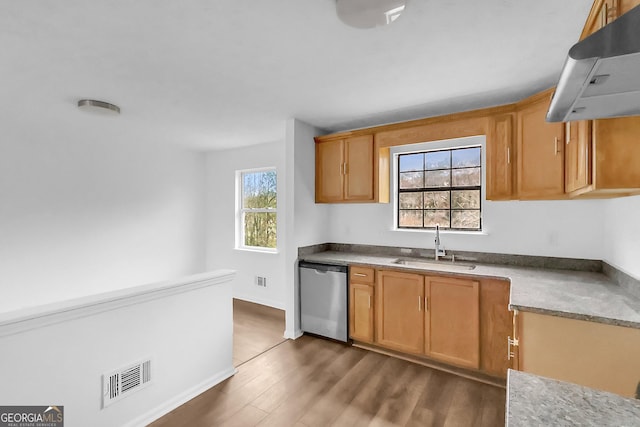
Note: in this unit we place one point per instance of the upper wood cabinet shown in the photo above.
(399, 311)
(452, 321)
(540, 151)
(608, 153)
(577, 170)
(526, 157)
(604, 12)
(344, 170)
(500, 157)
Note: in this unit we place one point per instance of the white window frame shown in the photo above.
(479, 140)
(240, 212)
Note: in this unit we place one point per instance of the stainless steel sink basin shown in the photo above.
(448, 265)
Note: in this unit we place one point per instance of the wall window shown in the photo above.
(440, 187)
(257, 213)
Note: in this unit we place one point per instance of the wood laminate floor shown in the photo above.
(316, 382)
(256, 328)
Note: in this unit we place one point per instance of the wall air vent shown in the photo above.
(123, 382)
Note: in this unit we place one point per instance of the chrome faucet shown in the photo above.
(439, 251)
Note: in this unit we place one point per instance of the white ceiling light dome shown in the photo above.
(369, 13)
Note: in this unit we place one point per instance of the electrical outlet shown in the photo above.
(261, 281)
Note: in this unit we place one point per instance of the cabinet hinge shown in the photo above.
(512, 342)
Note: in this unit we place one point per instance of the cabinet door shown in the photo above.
(361, 312)
(452, 321)
(358, 180)
(496, 327)
(540, 153)
(604, 12)
(399, 299)
(616, 154)
(577, 172)
(329, 171)
(499, 158)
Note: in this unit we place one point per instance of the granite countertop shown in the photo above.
(565, 293)
(538, 401)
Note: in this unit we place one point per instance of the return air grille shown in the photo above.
(122, 382)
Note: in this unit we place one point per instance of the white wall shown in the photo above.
(570, 229)
(307, 222)
(622, 234)
(82, 214)
(221, 202)
(189, 337)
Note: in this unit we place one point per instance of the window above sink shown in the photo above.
(439, 183)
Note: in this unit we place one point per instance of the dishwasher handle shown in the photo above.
(324, 268)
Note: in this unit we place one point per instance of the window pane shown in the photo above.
(465, 157)
(410, 218)
(437, 178)
(465, 199)
(443, 169)
(411, 162)
(411, 180)
(436, 199)
(410, 200)
(433, 218)
(260, 229)
(465, 177)
(259, 189)
(465, 219)
(438, 160)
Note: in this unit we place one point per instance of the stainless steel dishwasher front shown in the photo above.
(323, 300)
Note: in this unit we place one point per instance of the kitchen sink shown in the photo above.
(433, 264)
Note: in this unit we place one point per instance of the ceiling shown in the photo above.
(224, 73)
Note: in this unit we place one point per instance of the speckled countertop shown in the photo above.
(538, 401)
(564, 293)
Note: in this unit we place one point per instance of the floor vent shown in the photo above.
(122, 382)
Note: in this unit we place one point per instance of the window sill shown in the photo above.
(258, 250)
(445, 232)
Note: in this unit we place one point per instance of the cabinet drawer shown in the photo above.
(361, 274)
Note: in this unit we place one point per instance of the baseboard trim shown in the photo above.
(293, 335)
(268, 303)
(163, 409)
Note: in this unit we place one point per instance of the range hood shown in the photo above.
(601, 76)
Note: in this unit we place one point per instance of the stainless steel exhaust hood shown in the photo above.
(601, 76)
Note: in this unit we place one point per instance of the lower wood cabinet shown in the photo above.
(459, 321)
(452, 321)
(596, 355)
(361, 303)
(361, 312)
(400, 315)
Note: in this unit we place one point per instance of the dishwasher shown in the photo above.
(323, 300)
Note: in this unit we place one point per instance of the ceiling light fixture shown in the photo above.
(369, 13)
(99, 107)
